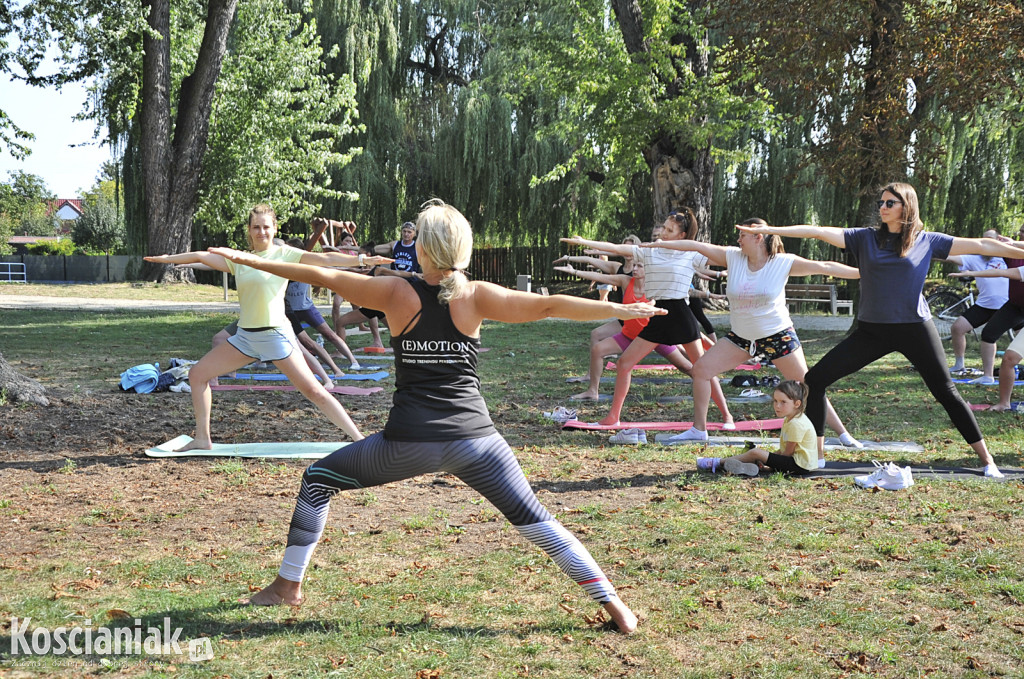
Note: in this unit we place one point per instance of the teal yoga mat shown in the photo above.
(292, 450)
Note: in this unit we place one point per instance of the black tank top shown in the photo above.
(437, 391)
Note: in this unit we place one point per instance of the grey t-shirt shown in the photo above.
(890, 285)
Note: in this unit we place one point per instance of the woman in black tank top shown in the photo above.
(439, 421)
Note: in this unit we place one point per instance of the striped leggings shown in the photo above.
(486, 464)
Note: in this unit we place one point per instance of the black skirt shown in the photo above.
(678, 326)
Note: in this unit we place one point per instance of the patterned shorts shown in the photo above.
(780, 344)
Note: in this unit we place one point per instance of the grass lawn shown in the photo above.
(770, 577)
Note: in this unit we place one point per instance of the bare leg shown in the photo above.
(299, 374)
(333, 338)
(958, 338)
(336, 315)
(375, 331)
(279, 592)
(621, 616)
(221, 359)
(720, 357)
(315, 366)
(694, 350)
(988, 358)
(624, 376)
(310, 347)
(220, 338)
(1007, 376)
(597, 355)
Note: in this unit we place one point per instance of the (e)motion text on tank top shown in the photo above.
(427, 352)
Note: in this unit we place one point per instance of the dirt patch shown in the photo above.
(77, 472)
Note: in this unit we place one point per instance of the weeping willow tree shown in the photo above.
(435, 123)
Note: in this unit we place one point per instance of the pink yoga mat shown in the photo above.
(747, 425)
(669, 366)
(347, 391)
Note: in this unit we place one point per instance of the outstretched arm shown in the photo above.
(211, 260)
(714, 253)
(830, 234)
(1013, 274)
(509, 306)
(617, 280)
(989, 247)
(810, 267)
(342, 259)
(604, 265)
(610, 248)
(373, 293)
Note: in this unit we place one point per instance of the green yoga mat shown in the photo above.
(292, 450)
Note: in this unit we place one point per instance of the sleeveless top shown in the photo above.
(437, 391)
(405, 257)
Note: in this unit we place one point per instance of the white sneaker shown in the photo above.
(849, 441)
(984, 379)
(734, 466)
(181, 388)
(887, 477)
(630, 437)
(561, 414)
(691, 435)
(355, 366)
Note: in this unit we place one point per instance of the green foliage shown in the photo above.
(62, 246)
(100, 229)
(23, 206)
(276, 121)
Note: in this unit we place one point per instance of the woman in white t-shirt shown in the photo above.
(758, 272)
(667, 284)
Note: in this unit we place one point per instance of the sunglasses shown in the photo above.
(889, 203)
(677, 216)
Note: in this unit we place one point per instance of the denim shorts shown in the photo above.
(780, 344)
(265, 345)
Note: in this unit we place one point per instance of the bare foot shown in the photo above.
(328, 385)
(609, 420)
(585, 396)
(196, 444)
(1000, 407)
(621, 616)
(279, 592)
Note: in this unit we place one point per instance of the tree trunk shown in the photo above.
(172, 159)
(681, 176)
(17, 387)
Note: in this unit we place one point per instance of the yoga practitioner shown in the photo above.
(1013, 354)
(758, 272)
(632, 291)
(668, 275)
(1011, 314)
(991, 297)
(894, 259)
(299, 308)
(439, 421)
(797, 443)
(402, 251)
(263, 331)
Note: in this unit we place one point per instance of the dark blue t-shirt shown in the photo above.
(890, 285)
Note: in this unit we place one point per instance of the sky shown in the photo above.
(64, 152)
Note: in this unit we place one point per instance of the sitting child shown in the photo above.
(798, 447)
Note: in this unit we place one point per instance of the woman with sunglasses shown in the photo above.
(668, 276)
(894, 259)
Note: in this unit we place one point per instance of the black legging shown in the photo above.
(1006, 317)
(918, 342)
(697, 307)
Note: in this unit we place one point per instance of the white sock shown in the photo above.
(958, 363)
(992, 471)
(849, 441)
(821, 463)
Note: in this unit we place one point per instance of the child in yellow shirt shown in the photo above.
(798, 448)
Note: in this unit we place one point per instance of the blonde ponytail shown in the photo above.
(446, 239)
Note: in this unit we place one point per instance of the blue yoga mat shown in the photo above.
(968, 380)
(278, 377)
